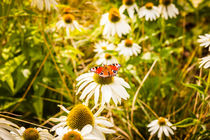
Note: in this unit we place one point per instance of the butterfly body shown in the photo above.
(106, 70)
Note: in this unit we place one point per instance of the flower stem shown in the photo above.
(137, 91)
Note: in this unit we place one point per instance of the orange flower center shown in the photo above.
(114, 15)
(149, 5)
(30, 134)
(66, 10)
(72, 135)
(68, 18)
(128, 2)
(103, 80)
(104, 48)
(161, 121)
(108, 56)
(80, 116)
(128, 43)
(166, 2)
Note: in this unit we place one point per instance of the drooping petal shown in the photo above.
(86, 129)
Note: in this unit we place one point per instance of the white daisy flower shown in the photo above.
(103, 46)
(106, 87)
(68, 21)
(130, 6)
(205, 62)
(149, 11)
(5, 128)
(106, 59)
(168, 9)
(64, 133)
(196, 3)
(128, 48)
(81, 116)
(32, 134)
(160, 126)
(204, 40)
(114, 23)
(40, 4)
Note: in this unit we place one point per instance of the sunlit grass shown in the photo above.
(47, 51)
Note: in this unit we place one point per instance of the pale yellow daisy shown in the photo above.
(114, 23)
(205, 62)
(5, 128)
(80, 117)
(69, 23)
(48, 4)
(160, 126)
(130, 6)
(128, 48)
(65, 133)
(168, 9)
(149, 11)
(106, 59)
(32, 134)
(105, 87)
(204, 40)
(102, 46)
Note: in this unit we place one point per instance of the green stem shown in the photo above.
(208, 83)
(162, 30)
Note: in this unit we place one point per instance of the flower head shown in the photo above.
(128, 48)
(114, 15)
(65, 133)
(106, 87)
(168, 9)
(81, 120)
(103, 46)
(5, 128)
(67, 10)
(32, 134)
(68, 21)
(44, 3)
(205, 62)
(114, 23)
(130, 6)
(160, 126)
(204, 40)
(80, 116)
(106, 59)
(149, 11)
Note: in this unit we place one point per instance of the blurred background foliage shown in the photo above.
(38, 66)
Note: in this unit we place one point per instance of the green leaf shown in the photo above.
(186, 122)
(20, 79)
(6, 102)
(198, 88)
(38, 102)
(10, 82)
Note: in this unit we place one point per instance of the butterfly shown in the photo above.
(106, 70)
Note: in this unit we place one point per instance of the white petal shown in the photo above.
(122, 82)
(105, 130)
(170, 130)
(87, 90)
(57, 126)
(103, 95)
(154, 129)
(109, 93)
(82, 86)
(160, 132)
(104, 122)
(165, 130)
(90, 74)
(96, 96)
(86, 129)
